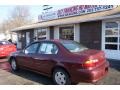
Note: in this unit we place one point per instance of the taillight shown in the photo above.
(90, 63)
(1, 48)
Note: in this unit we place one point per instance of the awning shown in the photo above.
(75, 19)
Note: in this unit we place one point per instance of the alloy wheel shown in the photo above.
(13, 64)
(60, 78)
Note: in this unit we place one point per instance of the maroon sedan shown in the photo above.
(64, 60)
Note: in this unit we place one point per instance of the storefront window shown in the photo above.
(27, 38)
(41, 33)
(67, 33)
(111, 39)
(111, 32)
(111, 46)
(111, 25)
(19, 36)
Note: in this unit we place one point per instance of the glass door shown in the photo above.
(27, 38)
(112, 39)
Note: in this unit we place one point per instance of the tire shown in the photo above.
(61, 77)
(13, 64)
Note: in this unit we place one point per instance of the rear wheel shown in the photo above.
(13, 64)
(61, 77)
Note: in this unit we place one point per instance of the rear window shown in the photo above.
(4, 42)
(73, 46)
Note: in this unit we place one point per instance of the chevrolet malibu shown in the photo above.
(64, 60)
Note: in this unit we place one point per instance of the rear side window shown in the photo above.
(48, 48)
(73, 46)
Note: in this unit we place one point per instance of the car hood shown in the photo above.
(92, 54)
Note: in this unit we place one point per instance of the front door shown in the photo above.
(111, 39)
(26, 58)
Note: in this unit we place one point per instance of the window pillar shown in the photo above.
(77, 32)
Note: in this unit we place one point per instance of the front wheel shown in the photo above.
(61, 77)
(13, 64)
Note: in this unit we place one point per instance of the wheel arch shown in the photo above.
(12, 57)
(60, 67)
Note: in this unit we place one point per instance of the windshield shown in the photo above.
(73, 46)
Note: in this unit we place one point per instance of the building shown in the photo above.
(95, 26)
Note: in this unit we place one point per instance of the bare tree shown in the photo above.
(19, 16)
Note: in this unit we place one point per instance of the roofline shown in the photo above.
(88, 20)
(92, 17)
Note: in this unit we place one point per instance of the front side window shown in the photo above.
(48, 48)
(73, 46)
(32, 48)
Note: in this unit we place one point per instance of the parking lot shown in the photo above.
(23, 77)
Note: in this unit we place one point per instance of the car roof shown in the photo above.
(5, 42)
(55, 40)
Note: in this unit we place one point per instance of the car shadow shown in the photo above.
(115, 64)
(37, 78)
(1, 58)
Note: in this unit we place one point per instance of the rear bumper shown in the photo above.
(91, 76)
(3, 54)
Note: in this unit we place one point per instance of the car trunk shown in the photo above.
(97, 56)
(8, 48)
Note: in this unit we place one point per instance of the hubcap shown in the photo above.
(60, 78)
(13, 64)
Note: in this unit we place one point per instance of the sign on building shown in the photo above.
(74, 11)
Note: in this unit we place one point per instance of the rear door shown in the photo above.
(45, 59)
